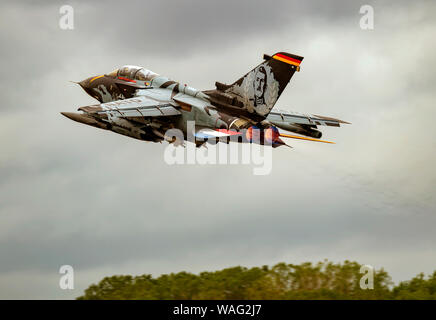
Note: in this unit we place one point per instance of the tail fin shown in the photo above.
(260, 88)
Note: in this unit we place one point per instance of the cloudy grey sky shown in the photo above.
(107, 204)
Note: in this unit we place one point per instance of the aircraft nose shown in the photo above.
(84, 83)
(89, 84)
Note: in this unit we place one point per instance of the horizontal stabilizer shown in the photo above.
(282, 117)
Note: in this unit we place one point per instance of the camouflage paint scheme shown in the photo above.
(139, 103)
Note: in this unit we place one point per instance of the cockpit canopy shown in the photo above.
(133, 73)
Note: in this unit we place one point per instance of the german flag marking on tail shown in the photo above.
(286, 59)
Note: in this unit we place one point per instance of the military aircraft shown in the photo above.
(141, 104)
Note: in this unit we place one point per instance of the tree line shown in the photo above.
(324, 280)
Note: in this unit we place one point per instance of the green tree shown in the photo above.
(324, 280)
(417, 289)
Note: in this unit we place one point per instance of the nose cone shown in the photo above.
(90, 85)
(105, 88)
(84, 83)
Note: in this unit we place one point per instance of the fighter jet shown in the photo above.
(141, 104)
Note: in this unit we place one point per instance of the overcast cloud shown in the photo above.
(107, 204)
